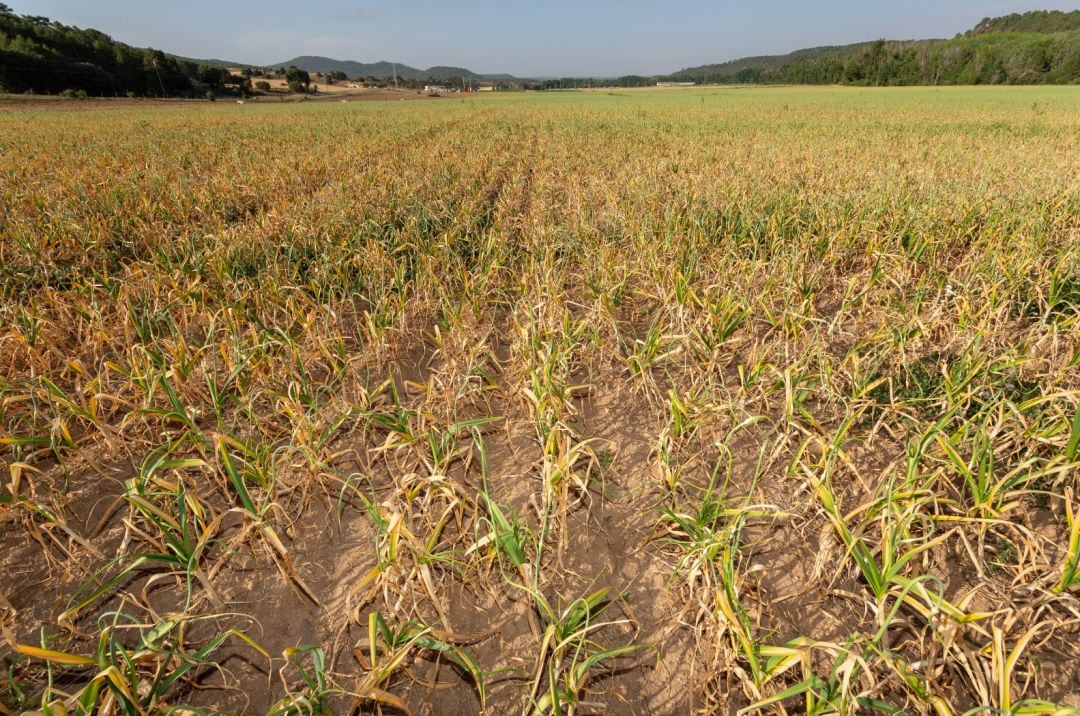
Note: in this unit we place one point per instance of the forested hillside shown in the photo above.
(1032, 48)
(1036, 21)
(41, 55)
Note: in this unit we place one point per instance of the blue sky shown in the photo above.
(555, 37)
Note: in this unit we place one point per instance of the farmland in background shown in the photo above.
(628, 402)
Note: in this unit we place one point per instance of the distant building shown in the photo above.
(434, 90)
(485, 86)
(675, 84)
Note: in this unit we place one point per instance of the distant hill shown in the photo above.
(440, 71)
(352, 69)
(382, 70)
(222, 64)
(1030, 48)
(752, 66)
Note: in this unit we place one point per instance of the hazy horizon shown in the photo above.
(587, 38)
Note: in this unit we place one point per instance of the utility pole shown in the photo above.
(395, 76)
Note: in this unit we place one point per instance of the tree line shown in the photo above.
(43, 56)
(1035, 21)
(996, 58)
(1030, 48)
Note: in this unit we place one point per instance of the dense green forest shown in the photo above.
(1036, 21)
(1029, 48)
(40, 55)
